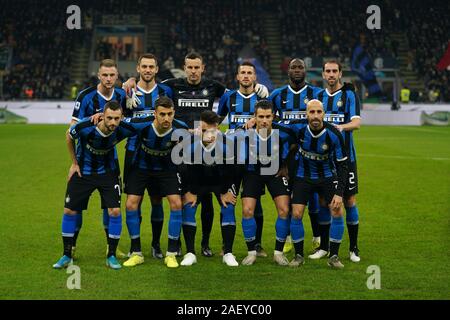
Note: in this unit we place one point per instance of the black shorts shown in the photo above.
(127, 165)
(253, 186)
(157, 183)
(351, 185)
(216, 189)
(79, 190)
(304, 189)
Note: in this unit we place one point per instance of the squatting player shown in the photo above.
(321, 167)
(94, 166)
(265, 149)
(209, 166)
(154, 170)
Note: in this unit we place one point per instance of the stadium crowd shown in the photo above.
(221, 31)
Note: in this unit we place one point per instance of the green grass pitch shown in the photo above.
(404, 179)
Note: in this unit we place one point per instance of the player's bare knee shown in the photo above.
(297, 213)
(114, 212)
(70, 212)
(175, 203)
(132, 206)
(132, 203)
(283, 211)
(248, 212)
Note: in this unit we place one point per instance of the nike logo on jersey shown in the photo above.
(285, 101)
(352, 188)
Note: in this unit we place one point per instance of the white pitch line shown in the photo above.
(400, 157)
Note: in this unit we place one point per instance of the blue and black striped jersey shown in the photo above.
(318, 152)
(341, 107)
(258, 152)
(90, 101)
(210, 165)
(291, 104)
(237, 106)
(147, 106)
(95, 151)
(154, 151)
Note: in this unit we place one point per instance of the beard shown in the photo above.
(298, 81)
(147, 80)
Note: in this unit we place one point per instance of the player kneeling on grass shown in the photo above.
(209, 166)
(322, 168)
(94, 166)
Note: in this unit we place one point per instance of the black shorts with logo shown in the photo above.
(304, 189)
(253, 186)
(157, 183)
(79, 190)
(351, 184)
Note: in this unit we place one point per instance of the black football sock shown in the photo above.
(228, 233)
(334, 248)
(189, 237)
(298, 246)
(67, 246)
(324, 236)
(112, 246)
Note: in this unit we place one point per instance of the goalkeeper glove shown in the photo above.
(261, 90)
(134, 101)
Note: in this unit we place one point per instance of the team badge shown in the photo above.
(324, 147)
(205, 92)
(306, 100)
(339, 103)
(67, 199)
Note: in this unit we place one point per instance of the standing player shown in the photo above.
(193, 95)
(91, 101)
(322, 168)
(153, 169)
(290, 102)
(268, 147)
(239, 106)
(210, 166)
(94, 166)
(342, 108)
(147, 92)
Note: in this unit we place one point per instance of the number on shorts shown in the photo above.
(179, 178)
(285, 181)
(351, 178)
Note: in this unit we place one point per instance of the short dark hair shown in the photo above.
(210, 117)
(165, 102)
(246, 63)
(332, 61)
(108, 63)
(193, 55)
(113, 105)
(263, 104)
(147, 56)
